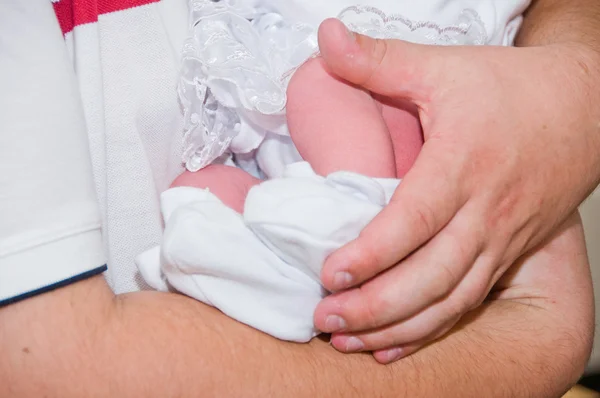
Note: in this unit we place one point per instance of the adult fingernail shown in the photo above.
(354, 344)
(393, 355)
(334, 323)
(342, 280)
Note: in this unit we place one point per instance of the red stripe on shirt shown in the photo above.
(72, 13)
(64, 13)
(106, 6)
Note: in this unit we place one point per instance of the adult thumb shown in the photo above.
(391, 68)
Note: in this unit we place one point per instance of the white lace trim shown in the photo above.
(469, 29)
(238, 60)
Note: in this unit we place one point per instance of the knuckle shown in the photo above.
(459, 258)
(456, 308)
(443, 282)
(394, 336)
(426, 219)
(380, 51)
(369, 254)
(378, 54)
(370, 306)
(463, 250)
(380, 340)
(477, 294)
(377, 307)
(414, 332)
(461, 304)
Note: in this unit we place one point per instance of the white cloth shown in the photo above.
(289, 226)
(125, 62)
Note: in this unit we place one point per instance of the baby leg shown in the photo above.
(229, 184)
(336, 126)
(403, 123)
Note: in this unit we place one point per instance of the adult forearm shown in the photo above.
(561, 21)
(158, 345)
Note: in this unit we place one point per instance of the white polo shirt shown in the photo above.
(91, 127)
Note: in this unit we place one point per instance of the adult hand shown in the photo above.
(512, 146)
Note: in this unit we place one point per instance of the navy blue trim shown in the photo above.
(45, 289)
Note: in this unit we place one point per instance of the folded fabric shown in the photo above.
(263, 267)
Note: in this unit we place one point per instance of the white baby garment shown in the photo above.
(262, 268)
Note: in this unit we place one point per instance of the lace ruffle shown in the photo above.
(240, 56)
